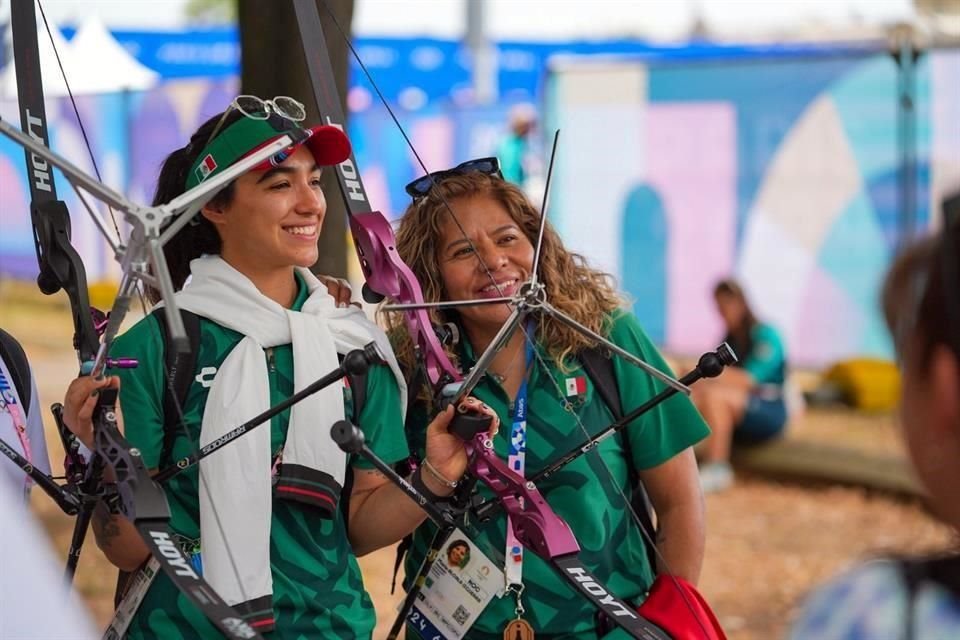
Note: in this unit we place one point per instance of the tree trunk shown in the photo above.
(273, 65)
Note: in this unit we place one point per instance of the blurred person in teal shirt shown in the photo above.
(514, 149)
(746, 403)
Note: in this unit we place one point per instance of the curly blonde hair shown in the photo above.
(583, 293)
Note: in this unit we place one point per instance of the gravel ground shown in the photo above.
(768, 544)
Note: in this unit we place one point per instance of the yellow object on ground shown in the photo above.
(869, 384)
(102, 293)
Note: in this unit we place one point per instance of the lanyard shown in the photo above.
(516, 460)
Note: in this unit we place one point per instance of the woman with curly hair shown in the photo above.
(470, 235)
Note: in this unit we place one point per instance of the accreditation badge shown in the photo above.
(461, 582)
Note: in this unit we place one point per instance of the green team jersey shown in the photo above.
(583, 492)
(317, 587)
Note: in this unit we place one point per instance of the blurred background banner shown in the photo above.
(787, 165)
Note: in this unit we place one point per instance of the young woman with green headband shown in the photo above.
(264, 517)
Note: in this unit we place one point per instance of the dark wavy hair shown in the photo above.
(738, 337)
(200, 236)
(915, 297)
(461, 544)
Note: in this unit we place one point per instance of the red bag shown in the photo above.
(677, 607)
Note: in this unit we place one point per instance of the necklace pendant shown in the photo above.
(518, 629)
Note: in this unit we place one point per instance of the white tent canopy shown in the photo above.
(93, 62)
(108, 66)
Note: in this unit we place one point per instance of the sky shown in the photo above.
(525, 19)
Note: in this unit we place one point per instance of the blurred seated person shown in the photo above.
(915, 598)
(745, 404)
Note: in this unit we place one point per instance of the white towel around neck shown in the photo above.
(235, 482)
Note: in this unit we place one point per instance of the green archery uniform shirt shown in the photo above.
(582, 493)
(317, 588)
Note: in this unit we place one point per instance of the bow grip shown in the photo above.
(141, 497)
(534, 523)
(467, 424)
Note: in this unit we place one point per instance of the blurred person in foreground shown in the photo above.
(27, 565)
(21, 425)
(896, 597)
(31, 578)
(746, 403)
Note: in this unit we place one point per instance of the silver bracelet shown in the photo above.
(436, 474)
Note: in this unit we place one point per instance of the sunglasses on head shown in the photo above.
(283, 112)
(420, 187)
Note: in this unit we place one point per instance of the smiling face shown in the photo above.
(273, 220)
(495, 246)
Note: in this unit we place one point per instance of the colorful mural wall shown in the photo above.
(782, 173)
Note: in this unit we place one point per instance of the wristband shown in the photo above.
(416, 481)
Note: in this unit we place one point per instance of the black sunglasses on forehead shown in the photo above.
(421, 186)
